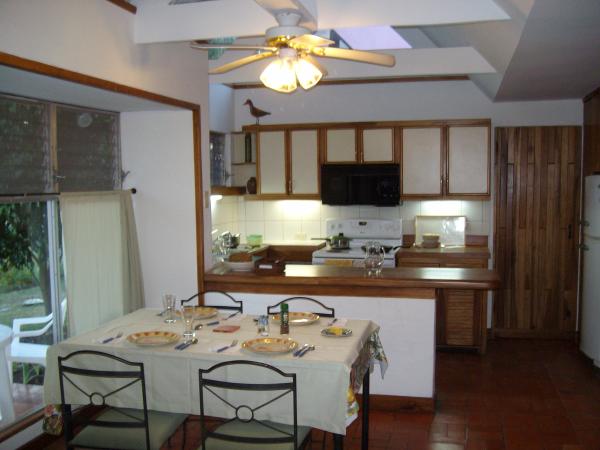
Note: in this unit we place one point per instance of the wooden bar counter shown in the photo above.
(330, 280)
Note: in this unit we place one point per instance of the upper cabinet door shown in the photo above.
(271, 160)
(421, 161)
(341, 145)
(468, 160)
(305, 162)
(378, 145)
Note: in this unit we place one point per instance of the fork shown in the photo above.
(112, 338)
(233, 344)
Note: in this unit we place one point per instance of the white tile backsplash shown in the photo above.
(280, 220)
(255, 210)
(312, 228)
(273, 230)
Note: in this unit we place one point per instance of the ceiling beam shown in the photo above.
(409, 63)
(159, 22)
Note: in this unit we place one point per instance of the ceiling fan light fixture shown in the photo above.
(307, 73)
(280, 75)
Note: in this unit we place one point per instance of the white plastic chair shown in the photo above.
(7, 410)
(26, 352)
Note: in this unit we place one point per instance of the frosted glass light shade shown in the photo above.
(308, 75)
(280, 75)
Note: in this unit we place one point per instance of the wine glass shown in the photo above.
(187, 312)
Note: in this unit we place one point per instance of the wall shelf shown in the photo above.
(228, 190)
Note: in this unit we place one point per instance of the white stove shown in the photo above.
(360, 231)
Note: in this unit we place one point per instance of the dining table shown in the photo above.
(326, 375)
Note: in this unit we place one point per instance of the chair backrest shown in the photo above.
(132, 374)
(221, 389)
(238, 305)
(324, 311)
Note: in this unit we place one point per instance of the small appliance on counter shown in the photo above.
(359, 232)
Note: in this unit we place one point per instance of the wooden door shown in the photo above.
(305, 162)
(271, 162)
(537, 191)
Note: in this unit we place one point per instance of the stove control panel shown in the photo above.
(366, 228)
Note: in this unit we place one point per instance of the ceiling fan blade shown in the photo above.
(380, 59)
(309, 41)
(315, 63)
(240, 62)
(232, 47)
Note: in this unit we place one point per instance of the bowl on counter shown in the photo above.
(254, 240)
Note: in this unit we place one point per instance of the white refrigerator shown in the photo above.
(590, 302)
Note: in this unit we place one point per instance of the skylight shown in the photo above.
(372, 38)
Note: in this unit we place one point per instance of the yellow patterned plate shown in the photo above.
(299, 318)
(153, 338)
(203, 312)
(270, 346)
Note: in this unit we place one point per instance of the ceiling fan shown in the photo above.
(295, 48)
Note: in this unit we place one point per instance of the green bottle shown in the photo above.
(285, 319)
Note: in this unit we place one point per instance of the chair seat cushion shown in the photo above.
(161, 425)
(254, 429)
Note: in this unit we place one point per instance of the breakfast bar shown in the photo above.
(401, 300)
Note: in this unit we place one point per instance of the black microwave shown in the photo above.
(360, 184)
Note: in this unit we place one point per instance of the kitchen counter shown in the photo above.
(331, 280)
(451, 252)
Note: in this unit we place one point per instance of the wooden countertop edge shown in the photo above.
(346, 279)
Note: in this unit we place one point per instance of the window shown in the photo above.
(45, 148)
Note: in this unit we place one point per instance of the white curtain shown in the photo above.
(103, 271)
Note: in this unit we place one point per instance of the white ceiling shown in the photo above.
(512, 49)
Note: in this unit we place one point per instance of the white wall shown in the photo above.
(95, 38)
(221, 108)
(158, 145)
(401, 101)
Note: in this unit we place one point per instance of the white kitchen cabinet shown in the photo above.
(341, 145)
(304, 152)
(468, 160)
(421, 162)
(378, 145)
(272, 162)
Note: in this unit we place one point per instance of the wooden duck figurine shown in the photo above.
(258, 113)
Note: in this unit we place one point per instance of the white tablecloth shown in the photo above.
(323, 375)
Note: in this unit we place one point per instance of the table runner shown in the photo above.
(323, 375)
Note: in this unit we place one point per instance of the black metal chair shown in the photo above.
(112, 428)
(329, 312)
(237, 306)
(245, 431)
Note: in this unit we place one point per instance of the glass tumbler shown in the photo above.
(169, 306)
(187, 312)
(374, 256)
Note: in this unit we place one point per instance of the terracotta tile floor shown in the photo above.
(522, 395)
